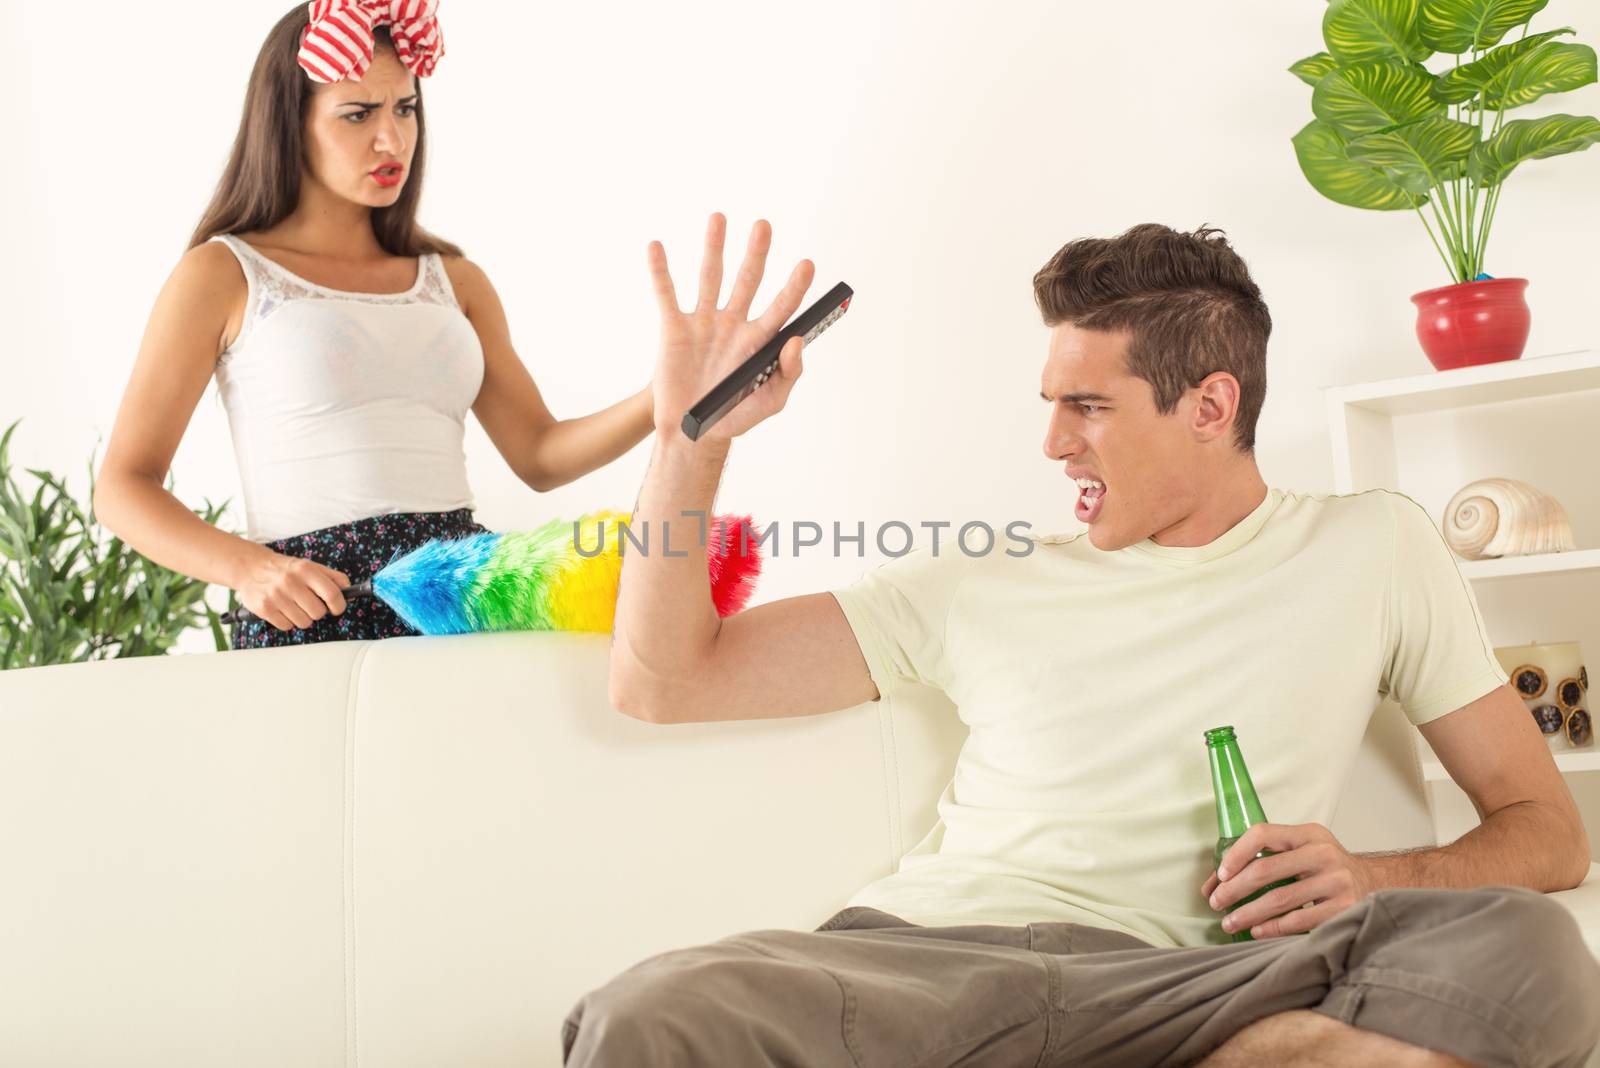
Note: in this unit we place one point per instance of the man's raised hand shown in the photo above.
(699, 348)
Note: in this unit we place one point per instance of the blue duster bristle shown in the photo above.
(429, 586)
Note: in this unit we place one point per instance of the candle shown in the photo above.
(1551, 680)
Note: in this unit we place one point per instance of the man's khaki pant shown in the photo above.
(1497, 976)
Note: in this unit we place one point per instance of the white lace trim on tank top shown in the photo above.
(346, 405)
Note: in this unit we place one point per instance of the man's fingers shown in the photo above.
(1278, 837)
(788, 299)
(751, 270)
(711, 263)
(788, 369)
(789, 358)
(1259, 873)
(666, 295)
(1277, 902)
(1294, 921)
(1240, 853)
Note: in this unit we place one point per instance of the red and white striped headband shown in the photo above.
(338, 43)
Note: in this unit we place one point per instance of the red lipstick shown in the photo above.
(388, 174)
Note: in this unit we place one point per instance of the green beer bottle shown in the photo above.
(1237, 805)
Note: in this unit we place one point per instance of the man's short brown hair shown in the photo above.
(1186, 301)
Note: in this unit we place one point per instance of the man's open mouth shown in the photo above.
(1091, 499)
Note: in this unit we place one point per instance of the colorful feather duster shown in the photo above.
(544, 579)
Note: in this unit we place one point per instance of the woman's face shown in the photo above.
(358, 132)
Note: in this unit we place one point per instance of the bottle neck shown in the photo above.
(1237, 804)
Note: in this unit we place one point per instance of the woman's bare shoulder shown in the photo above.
(466, 278)
(211, 262)
(211, 277)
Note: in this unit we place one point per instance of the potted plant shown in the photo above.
(69, 593)
(1391, 135)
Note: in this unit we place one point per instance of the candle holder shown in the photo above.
(1553, 683)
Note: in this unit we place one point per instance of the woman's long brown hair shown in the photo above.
(261, 184)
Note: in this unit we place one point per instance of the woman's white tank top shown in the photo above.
(347, 405)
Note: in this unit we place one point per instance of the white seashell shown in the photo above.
(1504, 517)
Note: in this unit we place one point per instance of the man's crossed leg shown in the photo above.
(1494, 976)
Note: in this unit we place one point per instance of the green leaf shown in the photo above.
(1457, 26)
(1324, 159)
(1421, 155)
(68, 562)
(1311, 69)
(10, 498)
(1555, 68)
(1369, 31)
(33, 611)
(31, 514)
(5, 445)
(1467, 81)
(12, 543)
(217, 636)
(1370, 97)
(1525, 139)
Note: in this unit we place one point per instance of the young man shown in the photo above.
(1063, 909)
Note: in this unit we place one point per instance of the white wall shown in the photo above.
(931, 155)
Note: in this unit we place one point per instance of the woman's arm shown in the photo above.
(176, 359)
(182, 341)
(545, 452)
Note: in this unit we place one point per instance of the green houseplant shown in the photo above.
(1392, 135)
(68, 592)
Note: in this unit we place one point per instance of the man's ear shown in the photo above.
(1216, 405)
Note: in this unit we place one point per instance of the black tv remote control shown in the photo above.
(749, 375)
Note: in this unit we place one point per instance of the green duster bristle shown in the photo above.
(511, 592)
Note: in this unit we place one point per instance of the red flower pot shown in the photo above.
(1473, 322)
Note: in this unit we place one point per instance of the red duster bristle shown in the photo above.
(734, 561)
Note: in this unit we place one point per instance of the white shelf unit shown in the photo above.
(1535, 419)
(1577, 760)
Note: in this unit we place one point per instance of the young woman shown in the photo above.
(347, 342)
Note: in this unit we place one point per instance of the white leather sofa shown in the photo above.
(423, 851)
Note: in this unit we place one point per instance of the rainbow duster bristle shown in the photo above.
(539, 580)
(734, 562)
(584, 596)
(511, 591)
(428, 587)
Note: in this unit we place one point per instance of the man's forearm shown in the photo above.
(1519, 845)
(665, 619)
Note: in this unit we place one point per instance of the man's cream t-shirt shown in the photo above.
(1087, 679)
